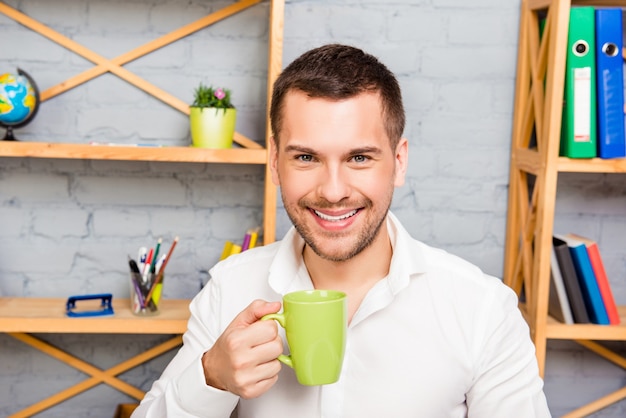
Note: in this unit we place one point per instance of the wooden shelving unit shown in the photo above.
(534, 169)
(19, 317)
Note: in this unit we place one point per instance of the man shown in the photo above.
(429, 334)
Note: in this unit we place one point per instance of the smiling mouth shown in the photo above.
(336, 218)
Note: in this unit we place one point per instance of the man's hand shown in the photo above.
(243, 359)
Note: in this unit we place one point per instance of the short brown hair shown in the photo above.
(339, 72)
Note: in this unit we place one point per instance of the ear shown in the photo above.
(402, 159)
(273, 161)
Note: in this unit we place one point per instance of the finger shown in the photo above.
(233, 364)
(254, 391)
(262, 378)
(255, 311)
(259, 333)
(269, 350)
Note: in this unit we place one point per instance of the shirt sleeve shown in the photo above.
(181, 391)
(507, 381)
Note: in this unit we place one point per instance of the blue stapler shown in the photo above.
(105, 305)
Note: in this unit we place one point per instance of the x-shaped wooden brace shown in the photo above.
(532, 68)
(98, 375)
(114, 65)
(612, 397)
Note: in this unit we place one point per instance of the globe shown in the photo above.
(19, 101)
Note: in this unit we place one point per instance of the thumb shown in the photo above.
(256, 310)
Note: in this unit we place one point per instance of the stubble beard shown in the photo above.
(316, 241)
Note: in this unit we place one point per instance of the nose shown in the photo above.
(334, 183)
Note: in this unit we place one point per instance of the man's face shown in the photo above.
(336, 171)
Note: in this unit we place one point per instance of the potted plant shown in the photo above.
(212, 118)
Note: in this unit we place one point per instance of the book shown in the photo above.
(570, 280)
(235, 249)
(587, 280)
(228, 246)
(558, 305)
(578, 129)
(246, 242)
(254, 235)
(249, 240)
(601, 278)
(610, 83)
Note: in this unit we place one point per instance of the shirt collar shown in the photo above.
(407, 259)
(287, 271)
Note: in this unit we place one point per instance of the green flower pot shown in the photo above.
(212, 127)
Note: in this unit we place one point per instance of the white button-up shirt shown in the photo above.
(435, 338)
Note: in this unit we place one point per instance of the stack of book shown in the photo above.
(593, 112)
(248, 242)
(580, 292)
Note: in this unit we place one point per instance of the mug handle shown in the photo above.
(280, 318)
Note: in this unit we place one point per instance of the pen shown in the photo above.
(169, 253)
(133, 265)
(147, 264)
(135, 277)
(155, 256)
(141, 257)
(159, 263)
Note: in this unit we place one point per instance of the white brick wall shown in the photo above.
(66, 226)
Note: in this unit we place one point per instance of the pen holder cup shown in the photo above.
(145, 294)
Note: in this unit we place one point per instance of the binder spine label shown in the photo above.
(582, 104)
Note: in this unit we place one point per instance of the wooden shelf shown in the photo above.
(560, 331)
(47, 315)
(132, 153)
(531, 161)
(592, 165)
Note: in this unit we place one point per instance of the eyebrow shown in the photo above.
(365, 150)
(298, 148)
(356, 151)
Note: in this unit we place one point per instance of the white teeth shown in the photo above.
(335, 218)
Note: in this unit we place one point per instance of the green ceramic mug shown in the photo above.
(315, 323)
